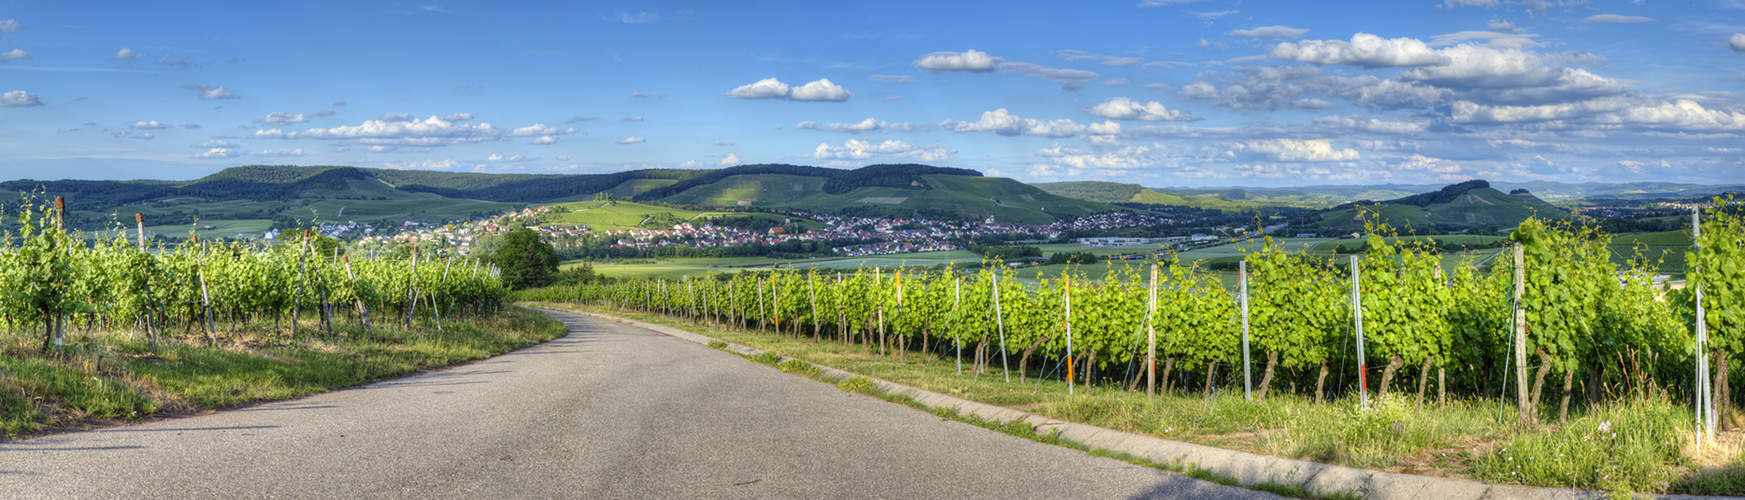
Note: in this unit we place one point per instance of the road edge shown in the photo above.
(1247, 469)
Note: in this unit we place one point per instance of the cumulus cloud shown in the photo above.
(150, 125)
(1268, 88)
(512, 158)
(1364, 50)
(458, 117)
(13, 55)
(9, 26)
(544, 140)
(210, 92)
(972, 61)
(1291, 150)
(395, 117)
(1502, 26)
(1002, 122)
(863, 126)
(215, 143)
(730, 160)
(770, 88)
(1121, 108)
(219, 154)
(856, 149)
(1271, 32)
(1737, 42)
(1681, 115)
(632, 140)
(280, 152)
(1617, 19)
(821, 90)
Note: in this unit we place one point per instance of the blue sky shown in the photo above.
(1155, 92)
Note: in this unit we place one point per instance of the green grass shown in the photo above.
(116, 376)
(1464, 438)
(602, 216)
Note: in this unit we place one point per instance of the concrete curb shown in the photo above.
(1246, 468)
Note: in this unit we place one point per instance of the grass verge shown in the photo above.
(1464, 439)
(107, 378)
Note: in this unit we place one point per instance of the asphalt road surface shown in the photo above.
(610, 411)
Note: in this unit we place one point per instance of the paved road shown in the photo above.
(610, 411)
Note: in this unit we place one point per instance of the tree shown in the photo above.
(526, 262)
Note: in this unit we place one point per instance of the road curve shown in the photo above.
(610, 411)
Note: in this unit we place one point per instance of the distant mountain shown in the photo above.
(1114, 192)
(1455, 207)
(287, 193)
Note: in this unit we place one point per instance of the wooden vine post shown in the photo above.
(1151, 338)
(1524, 406)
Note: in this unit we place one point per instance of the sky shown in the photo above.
(1154, 92)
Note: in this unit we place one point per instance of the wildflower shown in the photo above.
(1606, 426)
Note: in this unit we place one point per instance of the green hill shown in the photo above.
(1114, 192)
(1456, 207)
(937, 195)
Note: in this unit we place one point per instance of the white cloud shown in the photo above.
(386, 135)
(283, 118)
(856, 149)
(1268, 88)
(215, 144)
(1289, 150)
(1737, 42)
(768, 88)
(1617, 19)
(1079, 55)
(150, 125)
(1421, 163)
(544, 140)
(512, 158)
(861, 127)
(898, 79)
(395, 117)
(126, 55)
(458, 117)
(9, 26)
(190, 125)
(633, 118)
(1364, 50)
(1121, 108)
(821, 90)
(1360, 123)
(632, 140)
(211, 92)
(971, 61)
(1160, 3)
(1002, 122)
(639, 17)
(1502, 26)
(219, 154)
(1271, 32)
(144, 135)
(1068, 76)
(1212, 15)
(730, 160)
(1488, 4)
(281, 152)
(13, 55)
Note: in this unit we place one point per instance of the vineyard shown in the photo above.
(1550, 318)
(104, 328)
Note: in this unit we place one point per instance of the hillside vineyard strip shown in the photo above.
(1586, 327)
(52, 281)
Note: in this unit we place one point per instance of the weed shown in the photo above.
(768, 358)
(799, 367)
(858, 384)
(718, 344)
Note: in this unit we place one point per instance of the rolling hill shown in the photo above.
(1114, 192)
(1455, 207)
